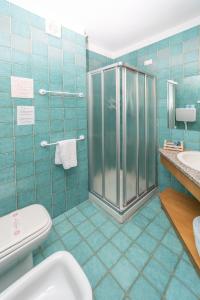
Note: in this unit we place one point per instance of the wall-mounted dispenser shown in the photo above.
(186, 114)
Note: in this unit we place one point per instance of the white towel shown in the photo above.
(66, 154)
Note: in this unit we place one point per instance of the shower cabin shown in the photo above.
(122, 138)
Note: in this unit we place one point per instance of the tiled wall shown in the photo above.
(27, 171)
(95, 60)
(173, 58)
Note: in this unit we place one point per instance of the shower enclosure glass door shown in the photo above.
(122, 134)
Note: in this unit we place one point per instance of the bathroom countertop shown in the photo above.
(189, 172)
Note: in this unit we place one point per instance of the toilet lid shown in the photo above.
(21, 224)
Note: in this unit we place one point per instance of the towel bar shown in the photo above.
(44, 92)
(45, 143)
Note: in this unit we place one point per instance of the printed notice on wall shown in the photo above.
(21, 87)
(25, 115)
(53, 28)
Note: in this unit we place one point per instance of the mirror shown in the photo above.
(183, 103)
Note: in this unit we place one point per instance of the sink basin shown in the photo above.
(190, 159)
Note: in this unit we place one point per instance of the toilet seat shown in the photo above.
(22, 227)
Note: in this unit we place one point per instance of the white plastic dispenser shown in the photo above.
(186, 114)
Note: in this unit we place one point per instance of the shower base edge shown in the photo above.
(122, 217)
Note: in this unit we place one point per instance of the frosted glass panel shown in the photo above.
(151, 134)
(131, 135)
(96, 136)
(110, 153)
(141, 156)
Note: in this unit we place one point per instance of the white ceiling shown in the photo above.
(115, 27)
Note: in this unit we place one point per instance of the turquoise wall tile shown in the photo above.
(30, 175)
(6, 145)
(39, 48)
(25, 170)
(5, 69)
(6, 115)
(5, 41)
(5, 53)
(26, 197)
(191, 69)
(19, 57)
(5, 84)
(8, 204)
(21, 70)
(7, 174)
(20, 28)
(24, 156)
(6, 130)
(23, 143)
(191, 56)
(4, 24)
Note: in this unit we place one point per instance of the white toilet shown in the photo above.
(21, 232)
(58, 277)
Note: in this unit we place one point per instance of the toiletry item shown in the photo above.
(66, 154)
(196, 230)
(174, 146)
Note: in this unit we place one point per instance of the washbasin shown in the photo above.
(190, 159)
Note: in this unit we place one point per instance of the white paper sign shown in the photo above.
(53, 28)
(25, 115)
(21, 87)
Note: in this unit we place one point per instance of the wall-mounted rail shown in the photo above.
(44, 92)
(46, 144)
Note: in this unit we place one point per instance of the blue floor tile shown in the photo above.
(71, 239)
(63, 227)
(52, 237)
(177, 290)
(166, 257)
(94, 270)
(58, 219)
(98, 219)
(108, 229)
(162, 221)
(147, 242)
(108, 289)
(56, 246)
(157, 275)
(137, 256)
(82, 252)
(191, 279)
(140, 220)
(148, 212)
(109, 254)
(96, 240)
(131, 230)
(77, 218)
(121, 241)
(90, 210)
(143, 290)
(124, 273)
(172, 243)
(85, 228)
(156, 231)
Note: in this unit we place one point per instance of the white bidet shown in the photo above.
(58, 277)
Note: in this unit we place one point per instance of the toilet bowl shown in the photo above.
(22, 231)
(58, 277)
